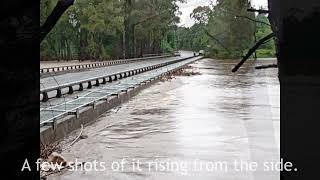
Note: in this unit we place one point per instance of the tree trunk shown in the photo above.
(19, 74)
(124, 43)
(296, 25)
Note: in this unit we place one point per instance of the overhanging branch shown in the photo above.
(253, 20)
(260, 11)
(252, 50)
(217, 40)
(53, 18)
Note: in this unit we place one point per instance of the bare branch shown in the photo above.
(53, 18)
(217, 40)
(252, 50)
(253, 20)
(260, 11)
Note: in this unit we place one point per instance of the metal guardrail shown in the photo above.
(96, 65)
(99, 80)
(89, 99)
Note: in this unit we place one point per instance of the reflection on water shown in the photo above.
(217, 116)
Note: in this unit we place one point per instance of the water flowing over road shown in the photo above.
(196, 121)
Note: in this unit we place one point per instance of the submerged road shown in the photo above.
(57, 80)
(214, 117)
(66, 104)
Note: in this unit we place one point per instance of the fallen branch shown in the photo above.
(267, 66)
(53, 18)
(252, 50)
(75, 140)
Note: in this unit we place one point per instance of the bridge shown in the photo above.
(79, 93)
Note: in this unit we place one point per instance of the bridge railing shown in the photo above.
(96, 81)
(96, 65)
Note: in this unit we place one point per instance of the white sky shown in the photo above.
(187, 8)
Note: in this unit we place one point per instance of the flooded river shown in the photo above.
(215, 125)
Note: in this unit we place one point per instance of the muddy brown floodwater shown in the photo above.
(216, 125)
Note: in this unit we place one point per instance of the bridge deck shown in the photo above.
(60, 107)
(53, 81)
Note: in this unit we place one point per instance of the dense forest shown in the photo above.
(110, 29)
(226, 30)
(114, 29)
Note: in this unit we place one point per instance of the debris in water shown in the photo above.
(48, 149)
(56, 158)
(115, 110)
(187, 71)
(83, 136)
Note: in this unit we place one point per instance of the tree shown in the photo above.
(201, 14)
(108, 29)
(234, 33)
(224, 30)
(262, 29)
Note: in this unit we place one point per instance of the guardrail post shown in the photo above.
(89, 85)
(97, 83)
(70, 90)
(45, 97)
(104, 80)
(110, 79)
(80, 87)
(59, 94)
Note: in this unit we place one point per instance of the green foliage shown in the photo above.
(230, 29)
(97, 29)
(192, 38)
(226, 30)
(201, 14)
(108, 29)
(267, 49)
